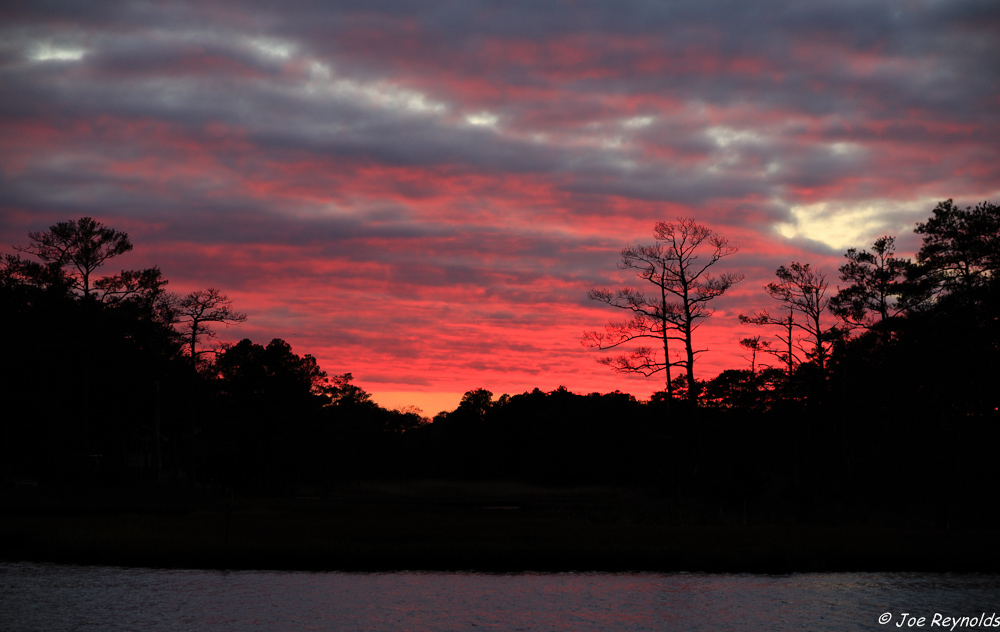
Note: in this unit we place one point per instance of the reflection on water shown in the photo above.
(51, 597)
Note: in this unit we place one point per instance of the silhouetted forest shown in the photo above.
(886, 412)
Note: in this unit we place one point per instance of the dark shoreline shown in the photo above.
(487, 527)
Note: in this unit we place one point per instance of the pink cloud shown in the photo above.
(424, 199)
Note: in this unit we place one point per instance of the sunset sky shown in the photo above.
(422, 193)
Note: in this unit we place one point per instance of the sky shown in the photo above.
(422, 193)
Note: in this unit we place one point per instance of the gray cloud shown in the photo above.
(486, 156)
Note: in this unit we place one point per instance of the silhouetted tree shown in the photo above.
(960, 253)
(196, 311)
(786, 354)
(140, 288)
(803, 290)
(18, 273)
(679, 272)
(755, 345)
(343, 393)
(876, 281)
(249, 369)
(71, 252)
(274, 400)
(470, 414)
(110, 334)
(733, 388)
(78, 248)
(476, 403)
(958, 265)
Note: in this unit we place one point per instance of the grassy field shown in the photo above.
(455, 526)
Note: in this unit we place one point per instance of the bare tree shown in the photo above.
(653, 317)
(786, 353)
(755, 345)
(196, 311)
(803, 290)
(677, 266)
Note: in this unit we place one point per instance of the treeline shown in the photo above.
(106, 379)
(888, 410)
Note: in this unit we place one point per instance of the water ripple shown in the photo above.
(82, 598)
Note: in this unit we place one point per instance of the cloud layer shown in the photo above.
(422, 193)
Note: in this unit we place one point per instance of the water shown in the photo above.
(51, 597)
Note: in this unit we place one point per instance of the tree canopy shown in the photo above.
(77, 248)
(98, 387)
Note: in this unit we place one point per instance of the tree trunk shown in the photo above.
(666, 338)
